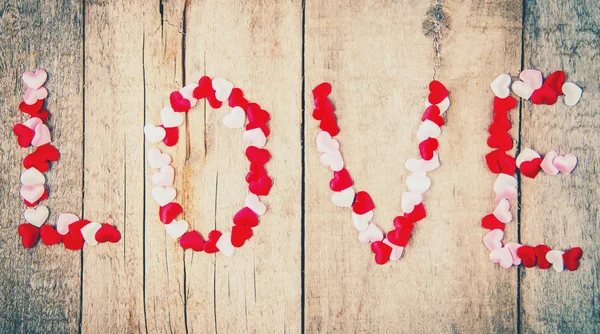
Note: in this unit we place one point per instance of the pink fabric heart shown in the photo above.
(565, 164)
(526, 155)
(506, 192)
(502, 211)
(513, 247)
(325, 143)
(157, 159)
(532, 78)
(548, 163)
(164, 177)
(35, 80)
(371, 234)
(63, 221)
(333, 160)
(502, 256)
(32, 123)
(493, 240)
(33, 95)
(41, 136)
(31, 193)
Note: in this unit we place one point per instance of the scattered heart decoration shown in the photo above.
(529, 163)
(68, 229)
(243, 114)
(385, 246)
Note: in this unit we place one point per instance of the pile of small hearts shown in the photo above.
(389, 246)
(216, 92)
(70, 230)
(529, 163)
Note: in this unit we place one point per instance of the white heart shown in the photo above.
(513, 247)
(325, 143)
(522, 89)
(418, 182)
(32, 122)
(235, 119)
(153, 133)
(396, 250)
(572, 93)
(333, 160)
(370, 234)
(428, 129)
(502, 211)
(32, 193)
(255, 137)
(500, 85)
(35, 80)
(344, 198)
(163, 195)
(526, 155)
(493, 240)
(89, 233)
(177, 228)
(409, 200)
(421, 165)
(443, 106)
(170, 118)
(504, 180)
(532, 78)
(222, 88)
(555, 257)
(565, 164)
(548, 163)
(361, 222)
(41, 136)
(164, 177)
(502, 256)
(253, 203)
(32, 177)
(187, 92)
(63, 220)
(157, 159)
(37, 216)
(506, 192)
(224, 244)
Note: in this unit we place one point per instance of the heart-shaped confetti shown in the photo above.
(31, 193)
(50, 236)
(527, 256)
(235, 119)
(89, 233)
(397, 251)
(341, 180)
(522, 90)
(401, 234)
(513, 247)
(177, 228)
(532, 78)
(34, 80)
(256, 172)
(192, 240)
(382, 252)
(371, 234)
(163, 195)
(224, 244)
(531, 168)
(170, 118)
(504, 105)
(540, 253)
(433, 114)
(502, 141)
(169, 212)
(31, 109)
(41, 136)
(437, 92)
(544, 95)
(548, 163)
(255, 137)
(262, 186)
(108, 233)
(344, 198)
(236, 99)
(500, 162)
(179, 103)
(32, 177)
(490, 222)
(418, 213)
(427, 148)
(502, 257)
(428, 129)
(210, 245)
(33, 95)
(29, 235)
(555, 82)
(154, 134)
(409, 200)
(526, 155)
(493, 240)
(362, 203)
(256, 114)
(63, 221)
(502, 211)
(37, 216)
(164, 177)
(257, 155)
(222, 88)
(572, 93)
(333, 160)
(323, 89)
(500, 85)
(187, 92)
(329, 124)
(565, 164)
(240, 234)
(171, 136)
(555, 257)
(245, 217)
(418, 182)
(253, 203)
(361, 222)
(571, 258)
(326, 144)
(75, 230)
(72, 243)
(157, 159)
(24, 135)
(421, 165)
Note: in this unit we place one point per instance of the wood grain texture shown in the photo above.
(380, 67)
(562, 211)
(40, 289)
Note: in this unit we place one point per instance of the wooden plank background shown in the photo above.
(112, 65)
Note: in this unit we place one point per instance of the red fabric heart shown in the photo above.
(323, 89)
(44, 197)
(179, 103)
(239, 235)
(210, 245)
(108, 233)
(555, 81)
(490, 222)
(262, 186)
(504, 105)
(531, 168)
(382, 252)
(540, 252)
(24, 134)
(212, 100)
(192, 240)
(502, 141)
(571, 258)
(256, 171)
(29, 234)
(48, 152)
(401, 234)
(257, 115)
(236, 99)
(31, 108)
(41, 114)
(544, 95)
(427, 147)
(323, 106)
(363, 203)
(500, 162)
(257, 155)
(204, 89)
(437, 92)
(171, 136)
(432, 113)
(75, 230)
(341, 180)
(500, 124)
(246, 217)
(40, 157)
(417, 213)
(168, 212)
(265, 129)
(72, 243)
(329, 124)
(50, 236)
(527, 256)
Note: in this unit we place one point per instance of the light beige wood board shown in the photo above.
(561, 211)
(40, 287)
(379, 63)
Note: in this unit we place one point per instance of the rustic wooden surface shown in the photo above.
(112, 65)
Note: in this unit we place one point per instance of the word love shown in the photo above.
(69, 230)
(388, 246)
(529, 163)
(243, 114)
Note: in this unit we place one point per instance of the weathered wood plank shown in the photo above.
(257, 46)
(380, 63)
(40, 287)
(562, 211)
